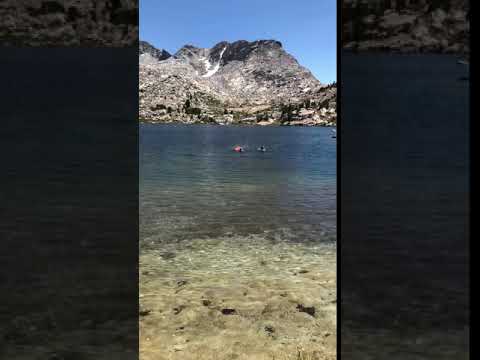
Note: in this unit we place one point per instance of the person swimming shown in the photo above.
(262, 148)
(238, 149)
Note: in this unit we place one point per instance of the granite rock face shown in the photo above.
(148, 51)
(69, 22)
(406, 25)
(241, 82)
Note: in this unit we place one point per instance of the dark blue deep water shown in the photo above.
(192, 185)
(404, 196)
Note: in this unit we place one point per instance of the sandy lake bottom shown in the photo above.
(238, 298)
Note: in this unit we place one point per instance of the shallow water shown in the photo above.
(185, 292)
(250, 234)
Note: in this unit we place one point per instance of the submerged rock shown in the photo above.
(310, 310)
(177, 310)
(227, 311)
(168, 255)
(144, 312)
(269, 329)
(181, 283)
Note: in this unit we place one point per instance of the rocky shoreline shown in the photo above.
(305, 117)
(318, 111)
(301, 123)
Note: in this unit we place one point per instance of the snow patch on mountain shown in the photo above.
(211, 71)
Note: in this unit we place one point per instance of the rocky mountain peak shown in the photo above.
(188, 48)
(189, 52)
(238, 79)
(242, 49)
(269, 43)
(225, 52)
(148, 49)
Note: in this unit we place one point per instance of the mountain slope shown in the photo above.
(241, 82)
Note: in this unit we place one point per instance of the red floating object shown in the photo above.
(238, 149)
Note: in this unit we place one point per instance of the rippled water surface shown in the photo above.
(192, 185)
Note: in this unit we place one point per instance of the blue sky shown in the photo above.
(306, 28)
